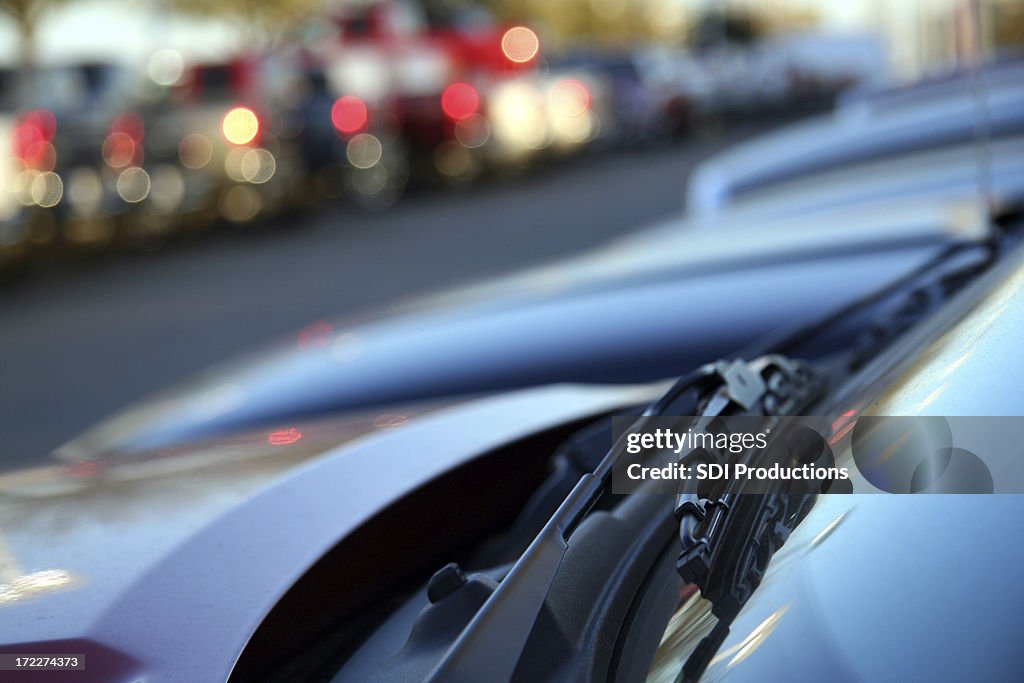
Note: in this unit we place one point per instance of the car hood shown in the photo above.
(135, 561)
(647, 307)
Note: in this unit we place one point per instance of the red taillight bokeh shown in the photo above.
(120, 150)
(123, 147)
(349, 115)
(460, 100)
(32, 136)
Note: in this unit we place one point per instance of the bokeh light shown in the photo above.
(370, 181)
(47, 189)
(131, 125)
(460, 100)
(258, 166)
(570, 98)
(518, 118)
(349, 114)
(133, 185)
(85, 191)
(241, 203)
(195, 151)
(168, 188)
(520, 44)
(574, 129)
(473, 131)
(240, 126)
(364, 151)
(456, 162)
(119, 150)
(41, 156)
(165, 67)
(21, 187)
(233, 163)
(30, 139)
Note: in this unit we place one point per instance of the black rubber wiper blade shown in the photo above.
(728, 536)
(957, 258)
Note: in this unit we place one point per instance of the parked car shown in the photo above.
(350, 145)
(14, 237)
(863, 132)
(633, 110)
(234, 134)
(67, 116)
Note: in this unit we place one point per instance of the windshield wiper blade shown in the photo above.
(945, 273)
(728, 536)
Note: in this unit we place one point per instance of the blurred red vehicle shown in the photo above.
(436, 79)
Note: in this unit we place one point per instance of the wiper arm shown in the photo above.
(491, 645)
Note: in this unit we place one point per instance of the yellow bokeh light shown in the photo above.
(240, 126)
(520, 44)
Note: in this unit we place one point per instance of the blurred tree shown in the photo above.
(728, 27)
(26, 14)
(267, 21)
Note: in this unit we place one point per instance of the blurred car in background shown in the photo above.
(869, 128)
(390, 92)
(459, 88)
(233, 133)
(812, 69)
(313, 108)
(14, 237)
(632, 110)
(62, 139)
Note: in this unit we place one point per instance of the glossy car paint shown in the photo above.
(646, 308)
(899, 587)
(203, 554)
(941, 177)
(873, 588)
(858, 133)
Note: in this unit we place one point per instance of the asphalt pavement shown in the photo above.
(77, 345)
